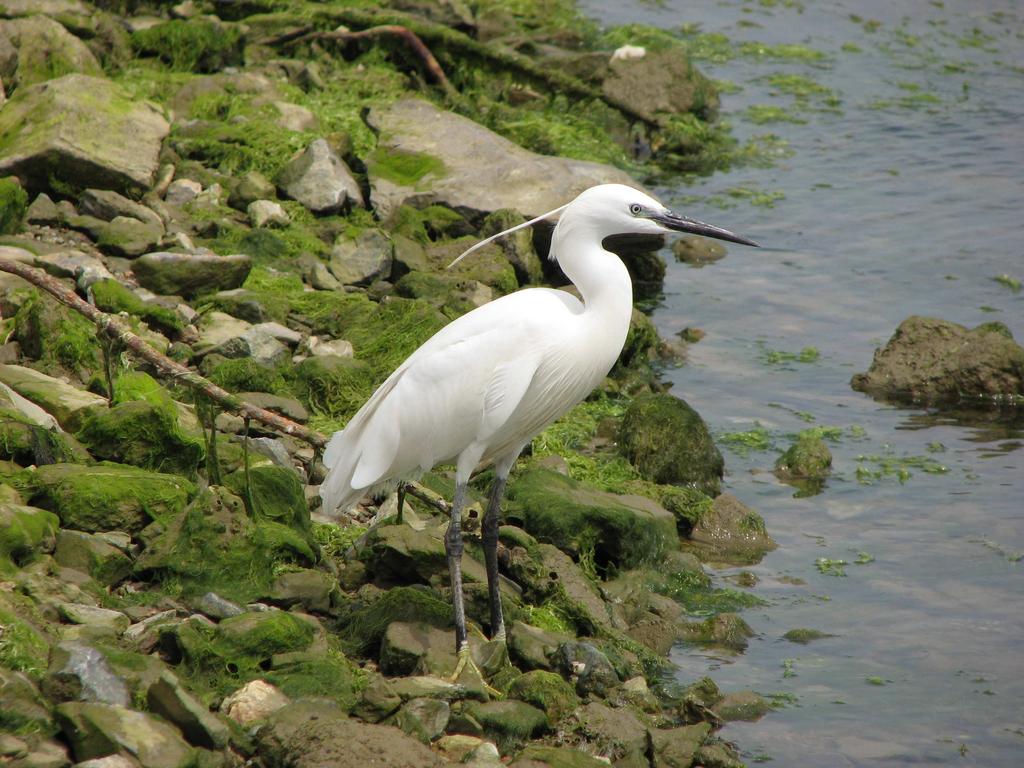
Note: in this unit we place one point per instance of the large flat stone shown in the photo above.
(190, 274)
(81, 130)
(46, 48)
(99, 730)
(426, 155)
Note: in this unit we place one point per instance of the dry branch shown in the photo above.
(112, 328)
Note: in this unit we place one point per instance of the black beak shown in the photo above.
(671, 220)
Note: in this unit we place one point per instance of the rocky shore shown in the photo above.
(268, 193)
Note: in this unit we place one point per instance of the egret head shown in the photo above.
(615, 209)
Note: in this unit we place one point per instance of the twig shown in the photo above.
(410, 38)
(115, 330)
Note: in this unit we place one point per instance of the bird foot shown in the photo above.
(465, 662)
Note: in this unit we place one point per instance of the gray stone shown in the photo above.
(216, 607)
(405, 643)
(256, 343)
(426, 687)
(252, 186)
(98, 730)
(267, 213)
(46, 48)
(44, 212)
(64, 402)
(282, 333)
(424, 719)
(320, 277)
(190, 274)
(167, 698)
(614, 731)
(467, 167)
(658, 85)
(83, 131)
(730, 532)
(216, 328)
(363, 259)
(295, 118)
(533, 647)
(91, 615)
(271, 447)
(110, 761)
(742, 705)
(142, 632)
(182, 191)
(698, 251)
(254, 701)
(313, 590)
(591, 669)
(90, 554)
(78, 672)
(332, 347)
(676, 747)
(108, 205)
(286, 406)
(128, 237)
(320, 180)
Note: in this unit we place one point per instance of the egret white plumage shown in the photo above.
(483, 386)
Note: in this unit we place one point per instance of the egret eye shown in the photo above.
(635, 209)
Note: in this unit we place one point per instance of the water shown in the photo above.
(894, 204)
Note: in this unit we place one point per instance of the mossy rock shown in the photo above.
(90, 554)
(214, 545)
(143, 434)
(730, 531)
(363, 626)
(546, 691)
(508, 721)
(107, 496)
(26, 443)
(56, 338)
(332, 385)
(111, 296)
(275, 494)
(488, 265)
(96, 730)
(668, 442)
(610, 530)
(194, 45)
(808, 458)
(247, 375)
(13, 204)
(726, 630)
(556, 757)
(25, 533)
(400, 554)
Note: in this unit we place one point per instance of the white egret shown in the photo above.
(483, 386)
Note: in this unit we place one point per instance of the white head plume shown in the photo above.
(508, 231)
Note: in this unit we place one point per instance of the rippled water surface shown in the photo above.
(904, 195)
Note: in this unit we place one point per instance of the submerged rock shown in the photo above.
(426, 155)
(83, 131)
(729, 531)
(932, 360)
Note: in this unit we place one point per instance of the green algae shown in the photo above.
(27, 443)
(55, 337)
(111, 296)
(235, 148)
(404, 167)
(22, 649)
(274, 494)
(696, 593)
(13, 203)
(247, 375)
(196, 45)
(804, 636)
(759, 114)
(742, 443)
(363, 626)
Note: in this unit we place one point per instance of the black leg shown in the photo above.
(490, 539)
(453, 547)
(401, 502)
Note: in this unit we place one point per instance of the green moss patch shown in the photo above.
(26, 443)
(13, 202)
(55, 337)
(404, 167)
(25, 532)
(112, 296)
(546, 691)
(22, 649)
(363, 626)
(196, 45)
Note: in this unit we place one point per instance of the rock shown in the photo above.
(256, 700)
(182, 191)
(216, 607)
(21, 705)
(65, 403)
(718, 755)
(698, 251)
(108, 205)
(50, 132)
(659, 85)
(13, 200)
(44, 212)
(267, 213)
(587, 603)
(676, 747)
(190, 274)
(361, 259)
(742, 705)
(251, 187)
(286, 406)
(457, 746)
(90, 554)
(424, 719)
(108, 497)
(104, 618)
(624, 531)
(398, 554)
(486, 755)
(426, 687)
(78, 672)
(128, 237)
(315, 591)
(99, 730)
(588, 666)
(808, 458)
(405, 644)
(533, 647)
(536, 755)
(315, 732)
(25, 533)
(426, 155)
(726, 630)
(508, 719)
(45, 50)
(669, 443)
(320, 277)
(320, 180)
(331, 347)
(295, 118)
(167, 698)
(614, 732)
(730, 532)
(546, 691)
(217, 328)
(257, 343)
(932, 361)
(518, 246)
(110, 761)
